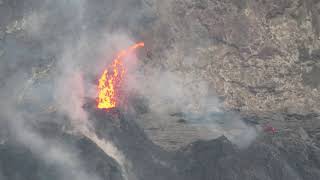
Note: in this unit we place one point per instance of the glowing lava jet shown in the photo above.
(110, 82)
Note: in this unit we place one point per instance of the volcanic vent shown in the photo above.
(115, 131)
(260, 57)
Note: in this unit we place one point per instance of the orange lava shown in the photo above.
(110, 82)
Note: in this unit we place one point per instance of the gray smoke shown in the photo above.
(50, 58)
(52, 55)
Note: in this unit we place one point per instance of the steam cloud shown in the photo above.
(80, 40)
(33, 83)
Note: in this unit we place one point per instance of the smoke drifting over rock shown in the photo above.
(69, 47)
(208, 69)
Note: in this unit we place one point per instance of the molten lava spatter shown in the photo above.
(111, 80)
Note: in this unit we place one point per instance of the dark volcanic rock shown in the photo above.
(148, 160)
(283, 155)
(219, 159)
(261, 56)
(20, 163)
(312, 78)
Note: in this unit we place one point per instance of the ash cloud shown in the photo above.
(170, 94)
(71, 42)
(182, 91)
(62, 47)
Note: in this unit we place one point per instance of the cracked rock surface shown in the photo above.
(256, 61)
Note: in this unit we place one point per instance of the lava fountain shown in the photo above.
(110, 82)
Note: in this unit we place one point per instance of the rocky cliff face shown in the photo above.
(214, 77)
(261, 56)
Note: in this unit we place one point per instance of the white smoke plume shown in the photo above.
(174, 90)
(78, 56)
(81, 40)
